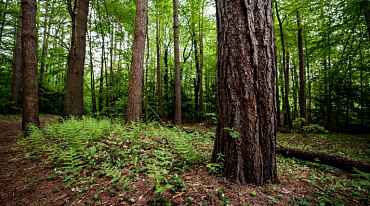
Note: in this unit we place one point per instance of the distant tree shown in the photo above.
(17, 68)
(30, 112)
(137, 63)
(73, 105)
(177, 63)
(246, 126)
(302, 74)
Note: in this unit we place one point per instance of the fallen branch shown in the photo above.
(337, 161)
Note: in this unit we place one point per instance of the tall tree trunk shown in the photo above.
(159, 76)
(30, 112)
(92, 78)
(277, 88)
(246, 126)
(17, 68)
(146, 76)
(196, 80)
(177, 64)
(101, 79)
(111, 68)
(302, 81)
(137, 63)
(3, 22)
(295, 88)
(73, 105)
(286, 70)
(286, 77)
(309, 120)
(43, 58)
(201, 61)
(361, 98)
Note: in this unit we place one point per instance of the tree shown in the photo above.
(302, 81)
(137, 63)
(158, 45)
(246, 127)
(30, 113)
(177, 63)
(73, 105)
(17, 68)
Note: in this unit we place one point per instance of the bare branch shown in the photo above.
(61, 40)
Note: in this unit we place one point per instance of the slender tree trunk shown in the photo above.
(277, 87)
(137, 63)
(177, 64)
(246, 126)
(73, 105)
(146, 76)
(92, 78)
(159, 76)
(166, 77)
(3, 22)
(302, 81)
(30, 112)
(44, 54)
(295, 88)
(17, 68)
(309, 83)
(196, 80)
(111, 68)
(201, 61)
(348, 94)
(286, 77)
(361, 98)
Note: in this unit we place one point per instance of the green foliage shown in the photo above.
(79, 148)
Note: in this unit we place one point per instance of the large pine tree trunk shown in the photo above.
(246, 91)
(177, 64)
(137, 63)
(73, 105)
(30, 113)
(17, 68)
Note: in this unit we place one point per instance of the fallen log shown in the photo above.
(337, 161)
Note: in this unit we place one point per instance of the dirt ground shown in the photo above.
(24, 181)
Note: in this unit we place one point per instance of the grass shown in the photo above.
(82, 151)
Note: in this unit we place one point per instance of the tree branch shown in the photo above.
(61, 40)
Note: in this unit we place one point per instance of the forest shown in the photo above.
(190, 102)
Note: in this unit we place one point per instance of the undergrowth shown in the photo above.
(82, 151)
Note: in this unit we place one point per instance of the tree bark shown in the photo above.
(73, 105)
(246, 93)
(17, 68)
(302, 81)
(30, 113)
(177, 64)
(137, 63)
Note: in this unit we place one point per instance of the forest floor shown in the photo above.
(28, 177)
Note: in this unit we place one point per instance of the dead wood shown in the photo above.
(337, 161)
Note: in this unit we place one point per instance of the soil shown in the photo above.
(24, 181)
